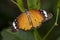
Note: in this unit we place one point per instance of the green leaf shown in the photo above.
(20, 35)
(36, 35)
(19, 3)
(33, 4)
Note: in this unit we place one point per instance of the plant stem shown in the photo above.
(44, 38)
(57, 17)
(58, 5)
(52, 26)
(36, 35)
(19, 4)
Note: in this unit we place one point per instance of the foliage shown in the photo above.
(35, 34)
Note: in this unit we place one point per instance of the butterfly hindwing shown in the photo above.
(23, 22)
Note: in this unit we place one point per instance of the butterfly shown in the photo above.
(30, 19)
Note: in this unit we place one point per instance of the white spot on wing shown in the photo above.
(14, 25)
(45, 13)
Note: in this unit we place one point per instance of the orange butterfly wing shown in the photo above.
(23, 22)
(36, 18)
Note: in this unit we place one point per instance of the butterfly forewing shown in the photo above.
(36, 18)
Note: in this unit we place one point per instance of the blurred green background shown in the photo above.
(9, 11)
